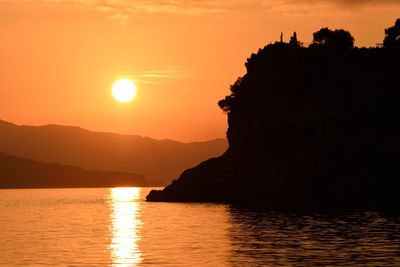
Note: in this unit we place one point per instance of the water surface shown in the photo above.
(116, 227)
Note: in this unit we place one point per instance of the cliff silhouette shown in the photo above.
(159, 160)
(18, 172)
(313, 127)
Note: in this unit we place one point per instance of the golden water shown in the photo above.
(116, 227)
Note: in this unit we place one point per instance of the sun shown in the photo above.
(124, 90)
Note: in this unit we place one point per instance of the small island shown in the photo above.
(309, 127)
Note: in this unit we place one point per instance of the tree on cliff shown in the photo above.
(333, 39)
(293, 40)
(226, 103)
(392, 35)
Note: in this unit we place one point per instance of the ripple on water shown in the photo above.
(116, 227)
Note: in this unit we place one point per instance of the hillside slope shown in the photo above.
(156, 159)
(17, 172)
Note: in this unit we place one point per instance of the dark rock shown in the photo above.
(310, 127)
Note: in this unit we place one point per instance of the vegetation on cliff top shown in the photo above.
(335, 41)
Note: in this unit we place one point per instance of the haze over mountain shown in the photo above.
(159, 160)
(17, 172)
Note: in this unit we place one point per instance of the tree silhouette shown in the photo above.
(392, 35)
(334, 39)
(226, 103)
(293, 40)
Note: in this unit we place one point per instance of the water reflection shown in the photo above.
(125, 225)
(264, 238)
(179, 234)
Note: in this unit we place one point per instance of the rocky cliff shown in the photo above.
(308, 127)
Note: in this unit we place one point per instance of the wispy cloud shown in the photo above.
(124, 9)
(159, 76)
(347, 2)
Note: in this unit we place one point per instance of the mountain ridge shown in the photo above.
(156, 159)
(19, 172)
(51, 125)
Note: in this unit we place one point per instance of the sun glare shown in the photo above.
(124, 90)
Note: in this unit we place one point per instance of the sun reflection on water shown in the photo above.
(125, 225)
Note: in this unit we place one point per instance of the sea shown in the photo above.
(117, 227)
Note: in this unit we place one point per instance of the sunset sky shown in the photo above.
(59, 58)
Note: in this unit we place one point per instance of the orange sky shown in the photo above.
(59, 58)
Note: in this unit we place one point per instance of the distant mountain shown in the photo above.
(17, 172)
(159, 160)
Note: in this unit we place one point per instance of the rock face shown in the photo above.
(310, 127)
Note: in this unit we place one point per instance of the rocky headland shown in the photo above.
(313, 126)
